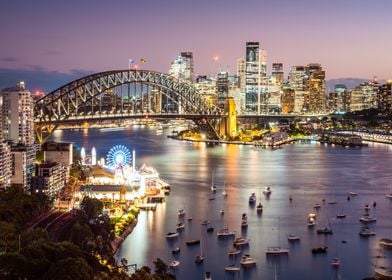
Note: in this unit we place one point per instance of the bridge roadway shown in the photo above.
(126, 115)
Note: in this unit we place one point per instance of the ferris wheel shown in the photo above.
(118, 156)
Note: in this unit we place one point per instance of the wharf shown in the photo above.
(147, 206)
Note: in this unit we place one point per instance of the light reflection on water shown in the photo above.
(307, 172)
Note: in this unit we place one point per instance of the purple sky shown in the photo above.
(350, 38)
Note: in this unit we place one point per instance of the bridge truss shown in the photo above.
(120, 94)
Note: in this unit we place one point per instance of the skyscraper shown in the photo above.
(277, 74)
(5, 164)
(18, 115)
(298, 82)
(256, 81)
(314, 101)
(182, 67)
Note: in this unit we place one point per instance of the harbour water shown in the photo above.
(307, 172)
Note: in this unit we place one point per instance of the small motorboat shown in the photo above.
(207, 276)
(317, 206)
(222, 211)
(340, 216)
(293, 237)
(259, 207)
(244, 216)
(276, 251)
(225, 232)
(252, 198)
(199, 259)
(176, 250)
(210, 229)
(181, 212)
(174, 264)
(235, 251)
(232, 268)
(320, 250)
(367, 219)
(247, 261)
(193, 242)
(190, 219)
(180, 226)
(352, 193)
(244, 224)
(172, 235)
(267, 191)
(335, 262)
(366, 232)
(240, 241)
(204, 223)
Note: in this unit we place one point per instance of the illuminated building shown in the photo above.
(60, 153)
(363, 97)
(23, 165)
(277, 74)
(288, 101)
(314, 101)
(384, 100)
(298, 83)
(339, 100)
(50, 178)
(241, 73)
(18, 115)
(256, 81)
(207, 88)
(5, 165)
(182, 67)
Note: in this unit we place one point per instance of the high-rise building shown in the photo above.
(5, 165)
(18, 115)
(207, 88)
(50, 178)
(256, 82)
(182, 67)
(222, 85)
(338, 101)
(23, 165)
(384, 100)
(308, 82)
(241, 73)
(314, 101)
(288, 101)
(277, 74)
(363, 97)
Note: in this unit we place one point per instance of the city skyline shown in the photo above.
(349, 39)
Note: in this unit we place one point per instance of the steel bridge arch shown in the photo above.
(65, 102)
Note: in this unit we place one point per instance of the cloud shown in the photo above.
(37, 77)
(9, 59)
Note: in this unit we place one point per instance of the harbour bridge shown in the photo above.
(125, 94)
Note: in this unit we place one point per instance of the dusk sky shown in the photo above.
(350, 38)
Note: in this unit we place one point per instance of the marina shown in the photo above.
(333, 172)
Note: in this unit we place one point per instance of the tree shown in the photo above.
(92, 207)
(70, 269)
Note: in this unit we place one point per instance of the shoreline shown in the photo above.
(117, 242)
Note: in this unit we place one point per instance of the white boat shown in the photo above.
(200, 258)
(259, 207)
(224, 193)
(244, 224)
(383, 272)
(213, 187)
(277, 250)
(225, 232)
(293, 237)
(207, 276)
(317, 206)
(206, 222)
(247, 261)
(234, 251)
(267, 191)
(311, 222)
(335, 262)
(365, 232)
(222, 211)
(385, 242)
(352, 193)
(174, 264)
(172, 235)
(240, 241)
(232, 268)
(181, 212)
(367, 219)
(180, 225)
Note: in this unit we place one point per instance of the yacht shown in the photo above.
(240, 241)
(317, 206)
(367, 219)
(340, 216)
(267, 191)
(247, 261)
(244, 224)
(352, 193)
(252, 198)
(335, 262)
(276, 251)
(225, 232)
(222, 211)
(171, 235)
(232, 268)
(387, 243)
(174, 264)
(207, 276)
(199, 259)
(325, 230)
(180, 225)
(365, 232)
(293, 237)
(192, 242)
(181, 212)
(311, 222)
(259, 207)
(234, 251)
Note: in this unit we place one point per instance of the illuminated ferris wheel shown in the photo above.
(118, 156)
